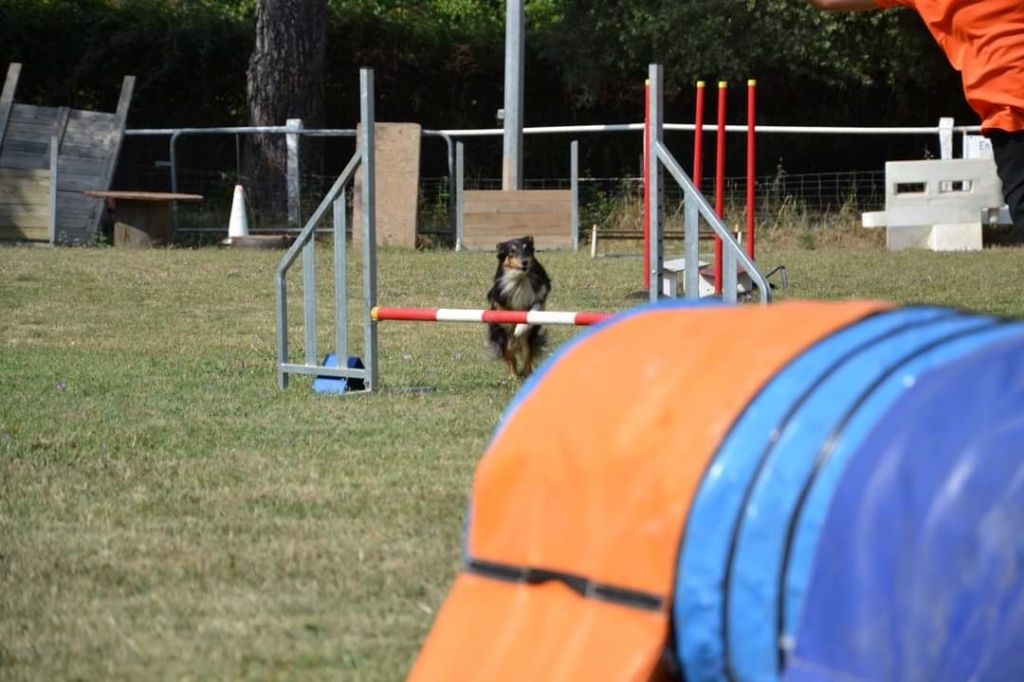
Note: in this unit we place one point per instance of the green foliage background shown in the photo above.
(440, 62)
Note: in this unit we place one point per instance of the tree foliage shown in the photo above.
(440, 62)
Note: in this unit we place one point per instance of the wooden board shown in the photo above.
(397, 156)
(87, 144)
(24, 204)
(491, 216)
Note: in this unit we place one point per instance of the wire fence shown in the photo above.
(608, 202)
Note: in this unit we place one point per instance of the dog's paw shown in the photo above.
(521, 329)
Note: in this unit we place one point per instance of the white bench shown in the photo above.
(938, 204)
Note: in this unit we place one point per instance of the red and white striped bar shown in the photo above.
(498, 316)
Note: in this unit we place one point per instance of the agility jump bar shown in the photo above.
(379, 313)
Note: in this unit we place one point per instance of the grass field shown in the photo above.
(166, 512)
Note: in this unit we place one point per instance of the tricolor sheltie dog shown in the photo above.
(520, 283)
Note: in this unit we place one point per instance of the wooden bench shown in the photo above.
(142, 219)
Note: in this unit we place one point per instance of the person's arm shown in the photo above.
(844, 5)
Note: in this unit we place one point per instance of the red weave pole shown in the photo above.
(751, 162)
(698, 136)
(720, 181)
(647, 185)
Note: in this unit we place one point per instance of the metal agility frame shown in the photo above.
(695, 206)
(335, 198)
(305, 244)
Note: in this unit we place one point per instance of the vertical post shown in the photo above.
(124, 101)
(238, 159)
(309, 298)
(512, 159)
(751, 162)
(452, 190)
(691, 247)
(654, 122)
(52, 221)
(946, 137)
(340, 281)
(698, 136)
(574, 183)
(720, 181)
(282, 328)
(647, 184)
(366, 115)
(7, 96)
(172, 156)
(460, 204)
(294, 169)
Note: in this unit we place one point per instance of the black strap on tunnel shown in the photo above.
(584, 587)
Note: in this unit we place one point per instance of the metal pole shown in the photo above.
(366, 115)
(340, 282)
(174, 181)
(654, 123)
(574, 174)
(515, 44)
(292, 141)
(460, 184)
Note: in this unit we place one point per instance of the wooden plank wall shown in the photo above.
(88, 146)
(492, 216)
(24, 204)
(86, 139)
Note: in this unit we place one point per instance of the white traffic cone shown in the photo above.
(238, 224)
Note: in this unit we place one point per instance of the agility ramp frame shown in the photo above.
(305, 242)
(694, 206)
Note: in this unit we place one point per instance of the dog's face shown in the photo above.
(516, 254)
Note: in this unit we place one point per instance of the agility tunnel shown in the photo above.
(805, 491)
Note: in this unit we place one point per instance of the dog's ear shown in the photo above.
(502, 249)
(528, 240)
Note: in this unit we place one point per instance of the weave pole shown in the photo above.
(381, 313)
(647, 187)
(751, 162)
(720, 181)
(698, 136)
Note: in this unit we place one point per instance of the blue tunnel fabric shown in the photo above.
(805, 525)
(704, 552)
(754, 526)
(918, 569)
(751, 589)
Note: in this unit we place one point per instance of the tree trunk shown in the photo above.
(284, 80)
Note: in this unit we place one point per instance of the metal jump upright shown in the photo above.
(305, 243)
(695, 206)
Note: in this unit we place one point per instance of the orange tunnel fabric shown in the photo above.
(592, 474)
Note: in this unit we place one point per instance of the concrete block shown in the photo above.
(955, 237)
(899, 237)
(940, 191)
(873, 219)
(941, 237)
